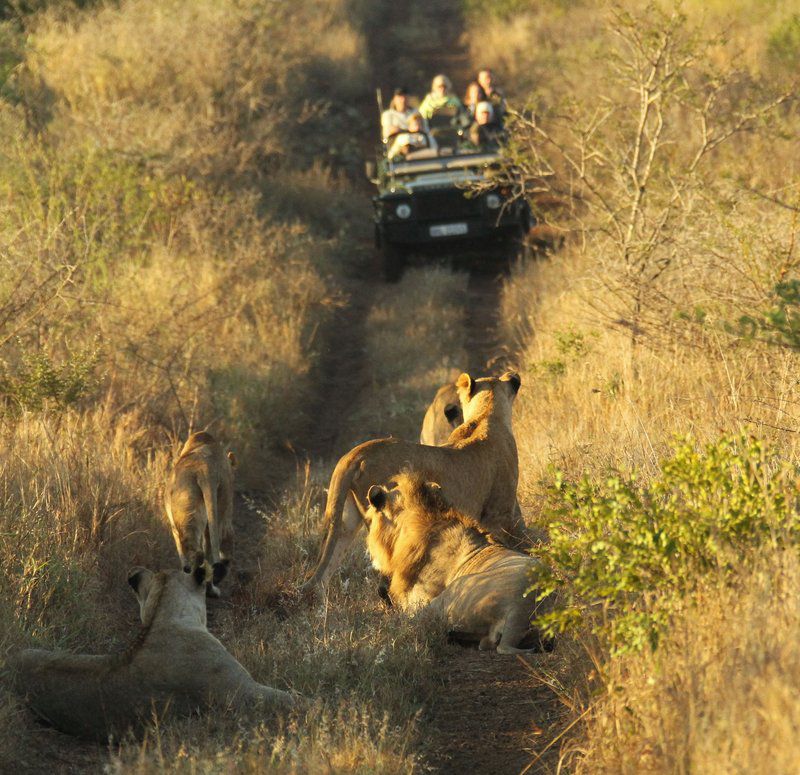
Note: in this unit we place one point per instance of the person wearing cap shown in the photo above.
(395, 118)
(440, 96)
(493, 95)
(414, 138)
(486, 133)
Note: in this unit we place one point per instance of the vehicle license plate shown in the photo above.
(448, 230)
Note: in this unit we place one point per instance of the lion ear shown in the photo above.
(433, 486)
(200, 570)
(514, 379)
(377, 497)
(232, 460)
(139, 578)
(465, 384)
(452, 413)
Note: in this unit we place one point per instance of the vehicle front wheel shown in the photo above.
(393, 261)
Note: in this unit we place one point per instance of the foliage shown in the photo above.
(92, 206)
(783, 46)
(39, 383)
(499, 9)
(637, 160)
(779, 324)
(626, 552)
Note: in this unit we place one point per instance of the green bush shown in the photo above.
(783, 46)
(779, 324)
(39, 383)
(624, 552)
(92, 206)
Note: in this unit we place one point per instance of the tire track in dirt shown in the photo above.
(491, 709)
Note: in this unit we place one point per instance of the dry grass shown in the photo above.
(167, 202)
(718, 694)
(712, 699)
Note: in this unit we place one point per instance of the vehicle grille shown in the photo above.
(444, 205)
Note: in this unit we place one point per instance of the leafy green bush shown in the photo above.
(93, 206)
(783, 46)
(625, 552)
(779, 324)
(38, 382)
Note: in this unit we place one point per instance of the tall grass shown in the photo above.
(605, 398)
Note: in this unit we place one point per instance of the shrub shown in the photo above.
(40, 382)
(627, 552)
(783, 45)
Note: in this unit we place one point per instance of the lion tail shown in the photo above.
(209, 490)
(337, 536)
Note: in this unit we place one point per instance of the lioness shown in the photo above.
(443, 561)
(199, 504)
(477, 469)
(175, 666)
(442, 416)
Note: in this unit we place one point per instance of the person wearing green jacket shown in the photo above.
(440, 97)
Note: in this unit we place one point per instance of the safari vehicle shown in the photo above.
(443, 200)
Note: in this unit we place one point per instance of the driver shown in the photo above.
(414, 138)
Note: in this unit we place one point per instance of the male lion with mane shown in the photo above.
(439, 560)
(199, 505)
(477, 469)
(175, 666)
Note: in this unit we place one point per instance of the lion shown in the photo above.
(199, 505)
(477, 470)
(443, 415)
(175, 666)
(441, 561)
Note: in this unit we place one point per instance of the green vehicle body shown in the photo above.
(442, 203)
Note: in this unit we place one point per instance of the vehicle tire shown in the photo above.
(393, 261)
(517, 247)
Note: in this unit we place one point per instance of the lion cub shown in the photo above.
(445, 562)
(175, 666)
(199, 504)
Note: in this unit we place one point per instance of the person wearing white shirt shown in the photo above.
(395, 118)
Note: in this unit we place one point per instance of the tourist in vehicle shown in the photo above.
(414, 138)
(493, 95)
(486, 134)
(440, 98)
(472, 96)
(395, 118)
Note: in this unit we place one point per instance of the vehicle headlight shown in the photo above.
(493, 201)
(403, 211)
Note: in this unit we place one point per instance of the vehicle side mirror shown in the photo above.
(370, 171)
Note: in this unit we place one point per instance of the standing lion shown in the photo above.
(477, 469)
(199, 504)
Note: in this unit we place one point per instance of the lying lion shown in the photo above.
(199, 505)
(477, 470)
(442, 416)
(174, 666)
(439, 560)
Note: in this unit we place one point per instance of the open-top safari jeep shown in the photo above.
(443, 200)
